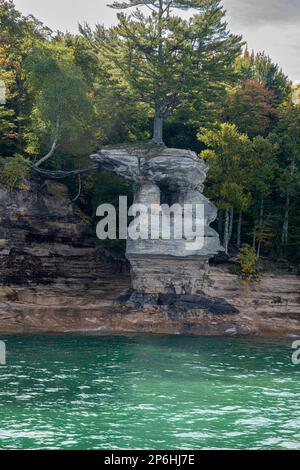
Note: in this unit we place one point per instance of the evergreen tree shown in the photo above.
(260, 67)
(167, 60)
(272, 76)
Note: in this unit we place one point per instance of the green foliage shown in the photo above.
(227, 154)
(264, 233)
(62, 109)
(242, 173)
(261, 68)
(168, 61)
(18, 33)
(67, 94)
(247, 260)
(107, 189)
(263, 164)
(14, 173)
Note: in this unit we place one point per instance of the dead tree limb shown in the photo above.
(60, 174)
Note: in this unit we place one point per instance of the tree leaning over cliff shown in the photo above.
(170, 61)
(62, 111)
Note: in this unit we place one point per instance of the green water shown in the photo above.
(148, 392)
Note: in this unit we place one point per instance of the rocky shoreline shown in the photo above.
(271, 309)
(54, 280)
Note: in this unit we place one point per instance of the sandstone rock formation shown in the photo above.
(159, 176)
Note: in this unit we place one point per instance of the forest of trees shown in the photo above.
(161, 75)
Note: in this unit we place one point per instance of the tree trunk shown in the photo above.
(226, 231)
(79, 189)
(53, 147)
(261, 224)
(49, 154)
(285, 227)
(261, 211)
(158, 128)
(20, 87)
(157, 138)
(231, 223)
(254, 237)
(258, 249)
(239, 231)
(220, 221)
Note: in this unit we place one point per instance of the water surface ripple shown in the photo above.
(148, 392)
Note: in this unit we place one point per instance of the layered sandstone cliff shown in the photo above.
(43, 239)
(271, 308)
(54, 279)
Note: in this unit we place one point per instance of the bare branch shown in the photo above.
(63, 174)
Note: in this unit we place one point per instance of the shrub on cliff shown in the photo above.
(247, 260)
(14, 172)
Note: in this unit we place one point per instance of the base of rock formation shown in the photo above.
(168, 274)
(178, 305)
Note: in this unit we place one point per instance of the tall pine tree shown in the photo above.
(167, 60)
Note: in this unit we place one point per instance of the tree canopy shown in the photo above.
(168, 60)
(173, 62)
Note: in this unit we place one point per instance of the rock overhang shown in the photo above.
(172, 169)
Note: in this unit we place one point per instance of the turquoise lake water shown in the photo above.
(148, 392)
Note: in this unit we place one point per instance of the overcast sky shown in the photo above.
(269, 25)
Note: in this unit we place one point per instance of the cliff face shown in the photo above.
(268, 307)
(53, 279)
(43, 241)
(272, 308)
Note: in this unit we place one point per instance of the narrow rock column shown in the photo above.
(147, 193)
